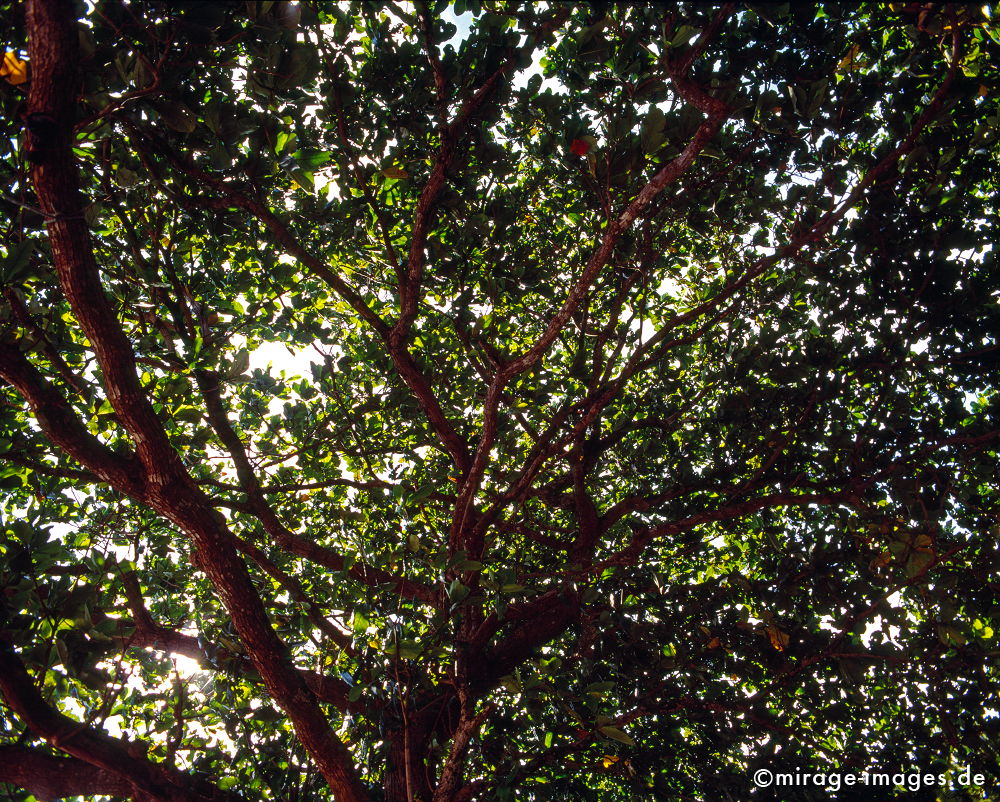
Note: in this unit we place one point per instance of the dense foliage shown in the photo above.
(496, 400)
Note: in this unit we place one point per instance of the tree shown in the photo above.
(641, 431)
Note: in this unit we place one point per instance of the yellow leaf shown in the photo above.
(850, 61)
(13, 70)
(610, 760)
(779, 639)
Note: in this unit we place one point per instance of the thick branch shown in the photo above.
(534, 623)
(150, 634)
(717, 112)
(208, 383)
(64, 428)
(51, 777)
(643, 537)
(170, 490)
(158, 781)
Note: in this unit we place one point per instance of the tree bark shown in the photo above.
(50, 777)
(166, 485)
(161, 782)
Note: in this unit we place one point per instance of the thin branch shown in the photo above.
(157, 780)
(208, 384)
(717, 113)
(169, 489)
(152, 635)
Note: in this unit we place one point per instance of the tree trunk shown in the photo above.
(408, 776)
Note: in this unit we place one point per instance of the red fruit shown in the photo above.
(579, 147)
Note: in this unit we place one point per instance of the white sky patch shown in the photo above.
(186, 667)
(463, 22)
(297, 363)
(278, 356)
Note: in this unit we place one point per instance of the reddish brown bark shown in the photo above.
(155, 474)
(51, 777)
(152, 781)
(149, 633)
(167, 488)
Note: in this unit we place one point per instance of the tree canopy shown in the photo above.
(429, 401)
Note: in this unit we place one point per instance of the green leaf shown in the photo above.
(616, 734)
(304, 179)
(240, 364)
(311, 160)
(683, 35)
(16, 266)
(457, 592)
(178, 116)
(188, 413)
(407, 649)
(652, 132)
